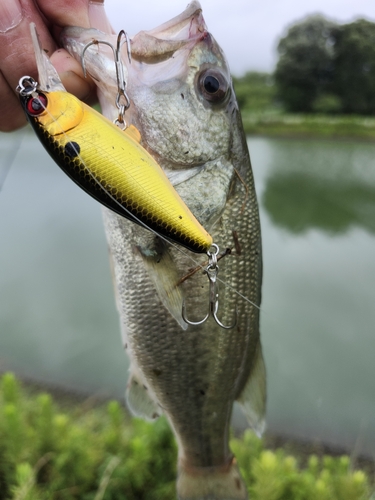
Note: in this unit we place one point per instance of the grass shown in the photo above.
(274, 123)
(48, 451)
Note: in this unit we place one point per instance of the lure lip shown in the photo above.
(48, 78)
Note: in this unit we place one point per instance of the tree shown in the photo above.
(305, 68)
(254, 91)
(354, 63)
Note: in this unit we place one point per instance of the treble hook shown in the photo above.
(121, 84)
(212, 271)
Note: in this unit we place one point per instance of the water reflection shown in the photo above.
(299, 202)
(326, 186)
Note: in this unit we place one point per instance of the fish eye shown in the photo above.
(213, 85)
(36, 105)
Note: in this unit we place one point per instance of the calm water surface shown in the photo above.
(58, 321)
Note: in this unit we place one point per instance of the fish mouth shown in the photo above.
(162, 42)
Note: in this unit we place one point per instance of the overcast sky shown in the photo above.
(247, 30)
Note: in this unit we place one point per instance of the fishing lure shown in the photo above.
(109, 164)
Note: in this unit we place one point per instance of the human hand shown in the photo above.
(17, 55)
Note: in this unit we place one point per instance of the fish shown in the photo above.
(184, 105)
(104, 160)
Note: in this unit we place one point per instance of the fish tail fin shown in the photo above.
(211, 483)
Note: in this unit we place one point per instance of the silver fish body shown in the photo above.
(192, 374)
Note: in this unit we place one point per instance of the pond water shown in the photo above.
(58, 322)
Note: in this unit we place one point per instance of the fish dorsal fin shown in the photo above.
(253, 396)
(139, 400)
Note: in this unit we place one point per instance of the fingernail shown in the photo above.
(10, 15)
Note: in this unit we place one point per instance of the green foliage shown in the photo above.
(327, 68)
(304, 69)
(255, 91)
(47, 454)
(354, 64)
(327, 104)
(275, 475)
(99, 454)
(308, 125)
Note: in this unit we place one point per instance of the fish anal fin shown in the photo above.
(253, 396)
(139, 400)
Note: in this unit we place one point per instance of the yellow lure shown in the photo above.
(112, 166)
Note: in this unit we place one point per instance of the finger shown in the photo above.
(71, 74)
(82, 13)
(12, 114)
(16, 52)
(16, 55)
(76, 13)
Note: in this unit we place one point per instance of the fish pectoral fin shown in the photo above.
(177, 177)
(253, 396)
(163, 273)
(139, 400)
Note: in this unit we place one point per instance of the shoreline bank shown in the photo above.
(344, 127)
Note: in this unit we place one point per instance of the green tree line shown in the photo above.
(324, 66)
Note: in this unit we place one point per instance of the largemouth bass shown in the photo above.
(185, 108)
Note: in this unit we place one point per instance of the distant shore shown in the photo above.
(309, 126)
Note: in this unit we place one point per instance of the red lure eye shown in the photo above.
(36, 105)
